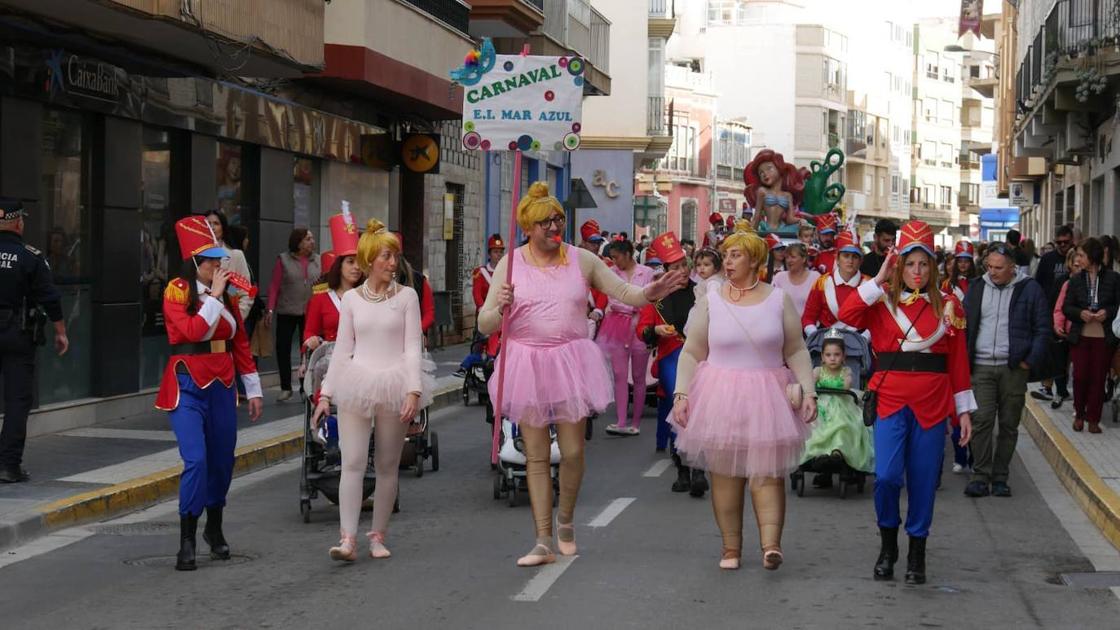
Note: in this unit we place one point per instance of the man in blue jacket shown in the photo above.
(1008, 334)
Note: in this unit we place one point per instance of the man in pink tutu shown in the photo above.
(555, 375)
(739, 411)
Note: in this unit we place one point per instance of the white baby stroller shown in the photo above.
(322, 460)
(509, 479)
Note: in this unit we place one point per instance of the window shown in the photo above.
(726, 12)
(734, 147)
(949, 71)
(229, 181)
(867, 183)
(947, 154)
(896, 133)
(157, 238)
(689, 210)
(946, 197)
(896, 183)
(682, 154)
(304, 173)
(932, 64)
(929, 153)
(946, 112)
(929, 109)
(970, 194)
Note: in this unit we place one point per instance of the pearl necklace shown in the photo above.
(371, 296)
(732, 289)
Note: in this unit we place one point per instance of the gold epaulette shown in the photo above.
(177, 291)
(953, 313)
(322, 287)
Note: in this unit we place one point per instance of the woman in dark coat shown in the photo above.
(1092, 299)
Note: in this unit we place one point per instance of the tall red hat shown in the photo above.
(774, 241)
(344, 236)
(731, 221)
(964, 249)
(196, 238)
(326, 260)
(667, 248)
(495, 242)
(827, 223)
(915, 234)
(846, 242)
(715, 219)
(589, 231)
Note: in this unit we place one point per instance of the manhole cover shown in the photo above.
(1093, 579)
(203, 560)
(136, 529)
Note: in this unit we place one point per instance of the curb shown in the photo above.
(142, 492)
(1099, 501)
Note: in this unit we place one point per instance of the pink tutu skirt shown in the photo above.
(617, 331)
(367, 390)
(740, 423)
(549, 385)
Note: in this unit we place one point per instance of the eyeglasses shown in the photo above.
(1063, 242)
(558, 221)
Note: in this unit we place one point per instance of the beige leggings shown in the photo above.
(354, 431)
(570, 438)
(768, 497)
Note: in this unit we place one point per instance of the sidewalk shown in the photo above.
(120, 465)
(1088, 465)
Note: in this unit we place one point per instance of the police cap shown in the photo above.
(11, 209)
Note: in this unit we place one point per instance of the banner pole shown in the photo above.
(512, 246)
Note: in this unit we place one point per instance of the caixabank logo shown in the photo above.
(72, 75)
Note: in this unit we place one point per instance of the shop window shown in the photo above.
(64, 203)
(159, 252)
(229, 181)
(305, 172)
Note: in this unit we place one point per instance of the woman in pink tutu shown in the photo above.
(555, 375)
(628, 354)
(379, 380)
(745, 396)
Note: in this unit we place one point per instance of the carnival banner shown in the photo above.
(972, 13)
(527, 103)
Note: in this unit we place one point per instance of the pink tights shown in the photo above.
(625, 362)
(354, 431)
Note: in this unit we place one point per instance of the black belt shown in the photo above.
(913, 362)
(204, 347)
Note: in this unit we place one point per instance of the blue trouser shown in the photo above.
(472, 359)
(205, 424)
(667, 379)
(903, 447)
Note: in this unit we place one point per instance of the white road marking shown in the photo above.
(658, 468)
(69, 536)
(613, 509)
(546, 576)
(122, 434)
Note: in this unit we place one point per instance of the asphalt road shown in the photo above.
(993, 563)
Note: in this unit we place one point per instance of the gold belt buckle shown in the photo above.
(218, 346)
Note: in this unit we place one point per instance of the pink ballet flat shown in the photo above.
(377, 548)
(566, 538)
(347, 548)
(729, 560)
(772, 559)
(537, 556)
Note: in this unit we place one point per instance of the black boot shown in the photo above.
(916, 561)
(219, 548)
(699, 483)
(188, 527)
(888, 553)
(684, 478)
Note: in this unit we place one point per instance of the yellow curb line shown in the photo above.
(1099, 501)
(149, 489)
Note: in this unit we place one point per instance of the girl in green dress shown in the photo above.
(839, 432)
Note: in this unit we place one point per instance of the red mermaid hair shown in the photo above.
(793, 178)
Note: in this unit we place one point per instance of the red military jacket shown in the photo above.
(671, 310)
(825, 261)
(480, 284)
(958, 291)
(212, 322)
(321, 316)
(829, 292)
(932, 397)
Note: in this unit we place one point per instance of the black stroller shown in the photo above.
(322, 460)
(475, 379)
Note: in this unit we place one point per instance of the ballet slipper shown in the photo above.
(347, 548)
(772, 558)
(729, 560)
(566, 538)
(538, 555)
(377, 548)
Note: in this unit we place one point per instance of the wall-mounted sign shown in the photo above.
(1021, 194)
(599, 180)
(73, 75)
(420, 153)
(527, 103)
(448, 216)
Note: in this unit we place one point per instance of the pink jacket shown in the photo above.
(1060, 321)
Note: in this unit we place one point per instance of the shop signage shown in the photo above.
(70, 74)
(527, 103)
(599, 180)
(1022, 194)
(420, 153)
(448, 216)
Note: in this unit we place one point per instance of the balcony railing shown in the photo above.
(662, 8)
(539, 4)
(655, 116)
(600, 53)
(1073, 28)
(454, 13)
(579, 27)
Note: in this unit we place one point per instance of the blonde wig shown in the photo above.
(746, 239)
(374, 239)
(536, 206)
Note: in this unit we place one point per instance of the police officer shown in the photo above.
(25, 286)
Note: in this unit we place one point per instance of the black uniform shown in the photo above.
(25, 282)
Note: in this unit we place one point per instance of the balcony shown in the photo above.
(986, 86)
(931, 213)
(572, 27)
(662, 18)
(656, 118)
(454, 13)
(505, 18)
(220, 37)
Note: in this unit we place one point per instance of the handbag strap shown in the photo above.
(905, 335)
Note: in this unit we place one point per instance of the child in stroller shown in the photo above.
(840, 443)
(477, 373)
